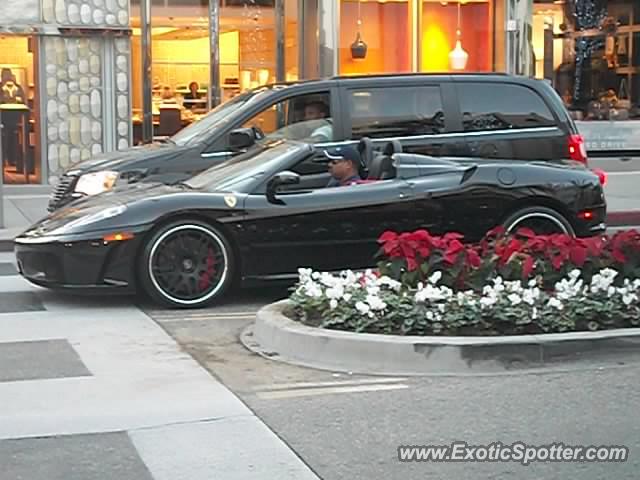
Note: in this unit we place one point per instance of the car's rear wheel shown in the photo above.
(542, 220)
(186, 264)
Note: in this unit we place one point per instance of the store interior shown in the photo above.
(387, 28)
(181, 59)
(606, 84)
(18, 110)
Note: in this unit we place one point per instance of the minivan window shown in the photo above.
(306, 117)
(494, 106)
(202, 128)
(396, 111)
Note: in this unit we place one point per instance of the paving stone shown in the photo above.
(16, 302)
(7, 269)
(75, 457)
(41, 359)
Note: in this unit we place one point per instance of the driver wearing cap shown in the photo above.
(344, 165)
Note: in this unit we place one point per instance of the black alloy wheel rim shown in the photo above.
(188, 264)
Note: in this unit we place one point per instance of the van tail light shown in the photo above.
(602, 175)
(577, 148)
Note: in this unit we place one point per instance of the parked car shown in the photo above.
(259, 217)
(494, 116)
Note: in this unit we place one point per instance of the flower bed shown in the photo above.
(505, 285)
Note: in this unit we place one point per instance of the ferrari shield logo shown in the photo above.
(230, 200)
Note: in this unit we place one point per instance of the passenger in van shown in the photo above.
(344, 164)
(317, 111)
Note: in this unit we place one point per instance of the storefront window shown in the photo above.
(441, 21)
(384, 28)
(417, 36)
(19, 110)
(181, 57)
(590, 50)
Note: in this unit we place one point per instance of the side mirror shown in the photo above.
(282, 178)
(242, 138)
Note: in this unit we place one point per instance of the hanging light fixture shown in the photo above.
(458, 57)
(358, 47)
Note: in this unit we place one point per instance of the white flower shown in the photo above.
(435, 277)
(629, 298)
(376, 303)
(346, 297)
(611, 291)
(362, 307)
(528, 297)
(555, 303)
(534, 313)
(514, 298)
(432, 293)
(314, 290)
(336, 291)
(333, 303)
(574, 274)
(532, 282)
(304, 274)
(441, 307)
(391, 283)
(433, 316)
(487, 301)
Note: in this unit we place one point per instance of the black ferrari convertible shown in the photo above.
(265, 213)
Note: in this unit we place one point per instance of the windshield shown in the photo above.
(241, 166)
(194, 132)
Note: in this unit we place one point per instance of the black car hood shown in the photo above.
(119, 159)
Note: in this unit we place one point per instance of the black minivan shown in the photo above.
(460, 115)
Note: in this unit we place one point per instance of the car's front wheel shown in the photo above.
(186, 264)
(542, 220)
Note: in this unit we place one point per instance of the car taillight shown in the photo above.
(601, 175)
(577, 148)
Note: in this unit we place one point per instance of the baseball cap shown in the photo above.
(343, 153)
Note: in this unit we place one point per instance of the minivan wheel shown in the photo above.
(542, 220)
(186, 264)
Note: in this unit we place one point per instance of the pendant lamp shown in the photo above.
(458, 57)
(358, 47)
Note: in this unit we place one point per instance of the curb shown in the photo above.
(276, 337)
(630, 218)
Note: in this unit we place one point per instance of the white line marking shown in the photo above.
(202, 314)
(200, 319)
(328, 391)
(300, 385)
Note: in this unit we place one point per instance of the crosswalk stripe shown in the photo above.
(279, 394)
(301, 385)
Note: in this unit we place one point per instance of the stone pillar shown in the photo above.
(85, 82)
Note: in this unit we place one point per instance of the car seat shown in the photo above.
(394, 146)
(381, 168)
(365, 148)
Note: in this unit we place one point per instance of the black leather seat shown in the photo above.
(394, 146)
(381, 168)
(365, 148)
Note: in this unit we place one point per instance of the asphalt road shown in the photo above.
(349, 427)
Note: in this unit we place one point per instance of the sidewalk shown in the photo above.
(24, 205)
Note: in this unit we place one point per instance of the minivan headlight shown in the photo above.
(98, 182)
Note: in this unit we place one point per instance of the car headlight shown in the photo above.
(94, 183)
